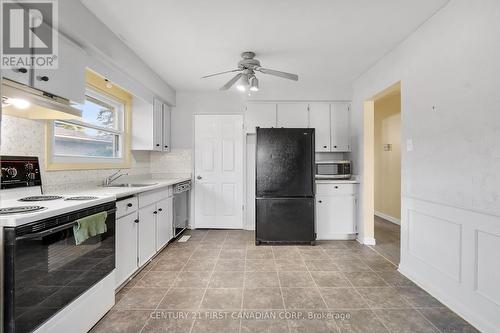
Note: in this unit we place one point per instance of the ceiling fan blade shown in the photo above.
(230, 83)
(284, 75)
(233, 70)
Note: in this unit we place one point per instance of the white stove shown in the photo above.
(40, 253)
(21, 198)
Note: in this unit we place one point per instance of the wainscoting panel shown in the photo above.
(453, 253)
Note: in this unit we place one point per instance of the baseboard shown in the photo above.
(388, 218)
(367, 241)
(455, 306)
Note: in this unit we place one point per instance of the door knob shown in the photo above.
(198, 177)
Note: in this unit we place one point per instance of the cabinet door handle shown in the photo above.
(336, 187)
(43, 78)
(22, 70)
(160, 210)
(325, 146)
(155, 212)
(334, 146)
(320, 201)
(157, 145)
(129, 204)
(166, 146)
(136, 220)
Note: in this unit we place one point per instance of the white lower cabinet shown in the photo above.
(144, 231)
(126, 247)
(335, 211)
(164, 219)
(147, 233)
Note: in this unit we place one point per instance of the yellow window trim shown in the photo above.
(100, 84)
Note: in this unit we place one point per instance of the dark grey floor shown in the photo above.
(388, 238)
(219, 281)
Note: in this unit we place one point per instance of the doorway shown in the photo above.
(218, 171)
(382, 172)
(387, 181)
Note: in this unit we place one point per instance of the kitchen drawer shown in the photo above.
(151, 197)
(126, 206)
(335, 189)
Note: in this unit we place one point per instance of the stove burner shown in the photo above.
(20, 209)
(82, 197)
(41, 198)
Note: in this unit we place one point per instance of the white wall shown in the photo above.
(450, 63)
(109, 55)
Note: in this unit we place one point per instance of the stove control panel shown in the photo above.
(19, 171)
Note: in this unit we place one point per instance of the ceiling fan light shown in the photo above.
(243, 84)
(254, 84)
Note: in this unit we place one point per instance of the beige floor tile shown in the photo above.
(343, 298)
(222, 299)
(261, 280)
(329, 279)
(296, 279)
(227, 280)
(182, 299)
(262, 298)
(303, 298)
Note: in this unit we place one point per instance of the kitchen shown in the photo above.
(138, 186)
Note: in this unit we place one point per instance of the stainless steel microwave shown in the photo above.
(340, 169)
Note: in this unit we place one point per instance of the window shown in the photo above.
(98, 134)
(99, 139)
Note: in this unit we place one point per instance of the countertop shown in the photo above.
(120, 192)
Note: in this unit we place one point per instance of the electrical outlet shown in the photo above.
(409, 145)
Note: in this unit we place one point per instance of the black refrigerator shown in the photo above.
(284, 207)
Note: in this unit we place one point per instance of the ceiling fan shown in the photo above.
(246, 78)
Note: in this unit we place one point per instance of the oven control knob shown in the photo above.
(12, 172)
(31, 176)
(29, 166)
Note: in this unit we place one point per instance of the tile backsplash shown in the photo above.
(20, 136)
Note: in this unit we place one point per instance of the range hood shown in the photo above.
(19, 100)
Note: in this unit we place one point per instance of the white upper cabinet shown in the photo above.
(293, 115)
(260, 115)
(319, 119)
(340, 124)
(166, 128)
(68, 80)
(150, 125)
(157, 125)
(21, 74)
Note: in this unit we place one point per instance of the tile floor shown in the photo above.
(388, 236)
(219, 281)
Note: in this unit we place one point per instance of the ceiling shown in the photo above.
(328, 43)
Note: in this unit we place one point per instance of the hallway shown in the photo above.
(388, 239)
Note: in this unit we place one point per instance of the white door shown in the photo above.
(126, 247)
(157, 125)
(218, 171)
(293, 115)
(147, 233)
(319, 119)
(260, 115)
(340, 127)
(164, 229)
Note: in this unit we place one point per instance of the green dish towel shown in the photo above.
(90, 226)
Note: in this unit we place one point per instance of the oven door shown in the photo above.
(45, 270)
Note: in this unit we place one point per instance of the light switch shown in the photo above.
(409, 144)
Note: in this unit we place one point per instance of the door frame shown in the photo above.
(192, 219)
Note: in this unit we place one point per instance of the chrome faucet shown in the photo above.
(108, 180)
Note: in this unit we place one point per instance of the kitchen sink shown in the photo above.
(130, 185)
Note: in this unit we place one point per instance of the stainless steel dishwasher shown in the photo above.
(182, 199)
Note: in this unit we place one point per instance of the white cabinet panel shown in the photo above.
(166, 128)
(340, 123)
(68, 80)
(335, 216)
(21, 75)
(157, 125)
(164, 231)
(292, 115)
(126, 248)
(319, 119)
(260, 115)
(147, 233)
